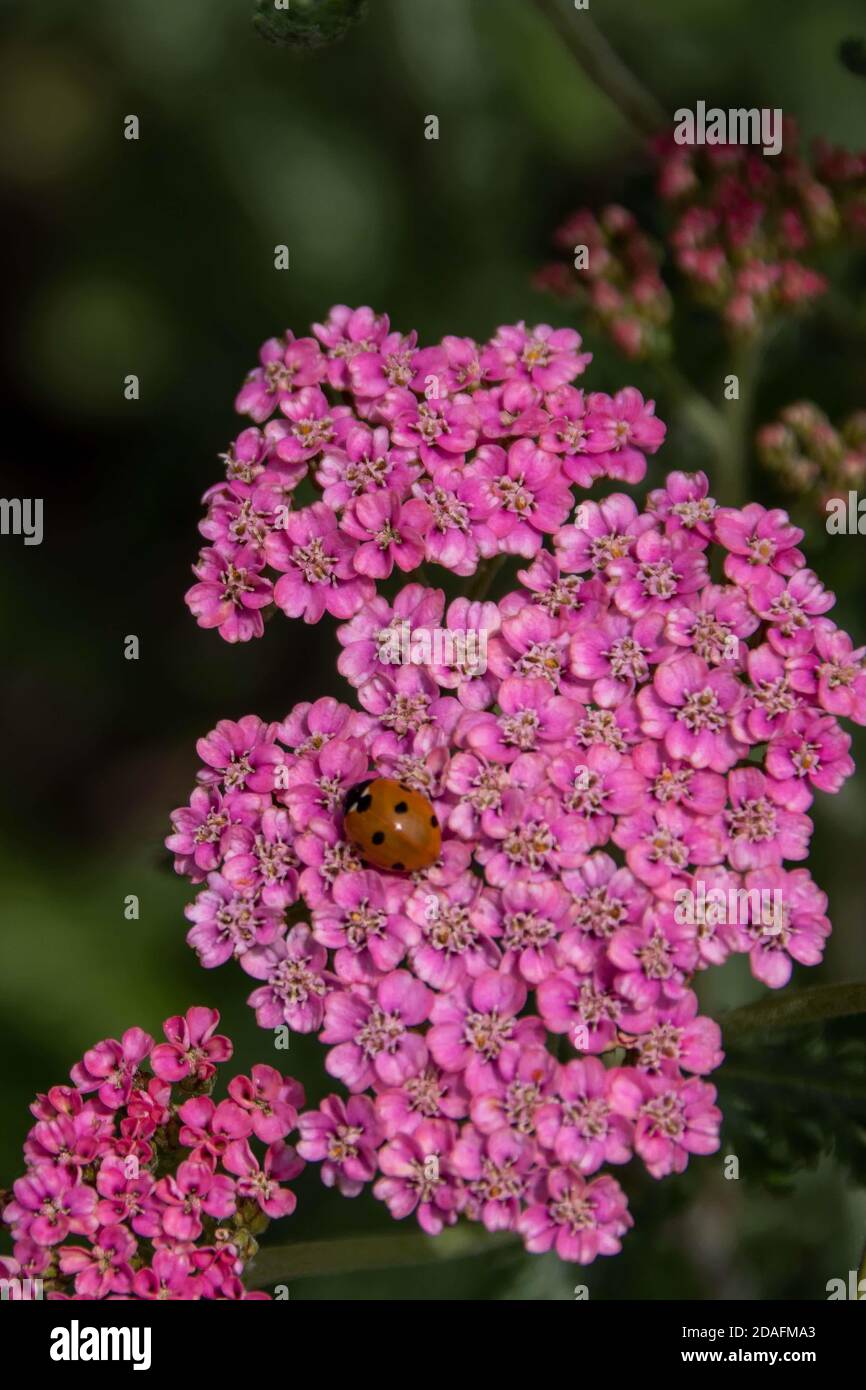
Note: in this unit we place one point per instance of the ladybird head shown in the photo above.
(355, 796)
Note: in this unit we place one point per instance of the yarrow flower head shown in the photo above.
(622, 791)
(742, 232)
(813, 459)
(139, 1185)
(369, 455)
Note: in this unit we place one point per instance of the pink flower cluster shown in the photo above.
(742, 231)
(521, 1015)
(139, 1185)
(613, 269)
(369, 454)
(745, 225)
(811, 457)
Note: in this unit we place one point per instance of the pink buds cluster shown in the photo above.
(742, 231)
(614, 275)
(811, 457)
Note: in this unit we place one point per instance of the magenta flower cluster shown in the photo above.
(369, 454)
(813, 458)
(138, 1184)
(618, 280)
(743, 231)
(517, 1019)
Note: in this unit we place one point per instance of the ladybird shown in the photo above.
(392, 826)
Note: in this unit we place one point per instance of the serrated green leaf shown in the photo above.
(803, 1006)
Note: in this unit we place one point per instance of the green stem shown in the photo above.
(605, 68)
(277, 1264)
(734, 477)
(725, 429)
(700, 415)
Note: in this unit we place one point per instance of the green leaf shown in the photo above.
(794, 1095)
(803, 1006)
(276, 1264)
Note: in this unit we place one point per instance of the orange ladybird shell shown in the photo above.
(393, 827)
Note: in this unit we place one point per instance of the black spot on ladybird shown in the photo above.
(364, 803)
(379, 837)
(401, 808)
(398, 867)
(434, 821)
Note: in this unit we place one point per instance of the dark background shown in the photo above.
(156, 257)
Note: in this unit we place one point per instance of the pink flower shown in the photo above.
(227, 923)
(345, 334)
(762, 831)
(103, 1268)
(840, 673)
(672, 1118)
(364, 923)
(476, 1030)
(759, 541)
(343, 1136)
(312, 425)
(812, 748)
(790, 607)
(243, 756)
(195, 1190)
(285, 364)
(268, 1100)
(495, 1169)
(194, 1048)
(532, 716)
(296, 982)
(372, 1036)
(230, 594)
(603, 532)
(111, 1066)
(514, 497)
(534, 917)
(49, 1204)
(692, 709)
(390, 533)
(437, 431)
(789, 924)
(317, 569)
(167, 1277)
(578, 1219)
(547, 356)
(660, 574)
(261, 1183)
(206, 829)
(581, 1126)
(635, 429)
(418, 1177)
(365, 463)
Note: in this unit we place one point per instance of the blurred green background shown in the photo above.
(156, 257)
